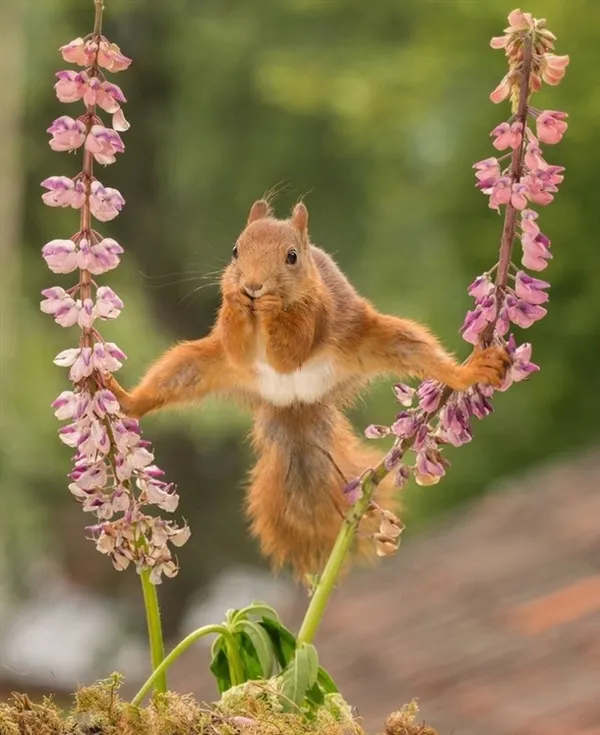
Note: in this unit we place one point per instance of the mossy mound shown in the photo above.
(245, 710)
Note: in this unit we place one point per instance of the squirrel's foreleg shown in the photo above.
(186, 372)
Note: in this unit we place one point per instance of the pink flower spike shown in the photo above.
(104, 143)
(550, 126)
(67, 134)
(111, 58)
(60, 256)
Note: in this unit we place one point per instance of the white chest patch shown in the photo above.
(306, 385)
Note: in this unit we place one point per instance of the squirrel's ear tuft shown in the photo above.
(259, 210)
(300, 218)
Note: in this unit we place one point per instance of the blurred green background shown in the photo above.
(374, 112)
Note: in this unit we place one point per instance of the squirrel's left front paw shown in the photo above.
(269, 304)
(488, 366)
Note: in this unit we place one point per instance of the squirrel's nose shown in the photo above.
(253, 289)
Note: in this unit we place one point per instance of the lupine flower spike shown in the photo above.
(516, 183)
(114, 476)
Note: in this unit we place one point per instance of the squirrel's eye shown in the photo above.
(234, 252)
(292, 257)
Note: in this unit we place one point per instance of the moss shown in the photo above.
(250, 709)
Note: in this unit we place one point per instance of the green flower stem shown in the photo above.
(155, 637)
(328, 578)
(235, 663)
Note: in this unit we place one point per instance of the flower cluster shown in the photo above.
(114, 476)
(433, 415)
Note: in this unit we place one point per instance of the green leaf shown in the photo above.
(326, 682)
(300, 675)
(259, 609)
(315, 695)
(282, 640)
(219, 665)
(261, 643)
(252, 666)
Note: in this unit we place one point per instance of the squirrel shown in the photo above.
(295, 341)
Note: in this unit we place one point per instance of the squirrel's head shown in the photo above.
(271, 256)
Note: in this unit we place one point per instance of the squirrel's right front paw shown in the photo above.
(240, 301)
(122, 396)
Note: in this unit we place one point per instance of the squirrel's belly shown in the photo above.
(308, 384)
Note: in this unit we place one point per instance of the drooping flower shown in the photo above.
(63, 192)
(104, 143)
(67, 134)
(551, 126)
(507, 136)
(531, 289)
(554, 68)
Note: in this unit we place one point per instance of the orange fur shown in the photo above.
(296, 341)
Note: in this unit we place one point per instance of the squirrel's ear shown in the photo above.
(300, 218)
(259, 210)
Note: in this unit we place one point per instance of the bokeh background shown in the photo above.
(374, 113)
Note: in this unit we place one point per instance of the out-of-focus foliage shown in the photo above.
(374, 112)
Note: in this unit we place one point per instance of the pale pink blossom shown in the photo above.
(488, 169)
(536, 251)
(71, 85)
(533, 157)
(507, 136)
(105, 403)
(104, 143)
(519, 21)
(501, 192)
(63, 192)
(554, 68)
(119, 122)
(519, 195)
(502, 90)
(107, 357)
(523, 313)
(66, 404)
(79, 52)
(67, 134)
(482, 286)
(86, 314)
(60, 255)
(530, 289)
(105, 202)
(108, 304)
(99, 257)
(105, 94)
(551, 126)
(111, 58)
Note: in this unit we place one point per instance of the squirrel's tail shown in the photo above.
(307, 455)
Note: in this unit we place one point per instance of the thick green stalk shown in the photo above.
(235, 664)
(328, 578)
(155, 637)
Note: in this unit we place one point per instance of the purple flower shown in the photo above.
(67, 134)
(104, 143)
(63, 192)
(108, 304)
(430, 467)
(481, 287)
(530, 289)
(430, 393)
(60, 256)
(105, 203)
(455, 426)
(353, 491)
(402, 476)
(375, 431)
(404, 394)
(392, 458)
(405, 424)
(525, 314)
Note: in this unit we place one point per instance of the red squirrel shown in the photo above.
(296, 342)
